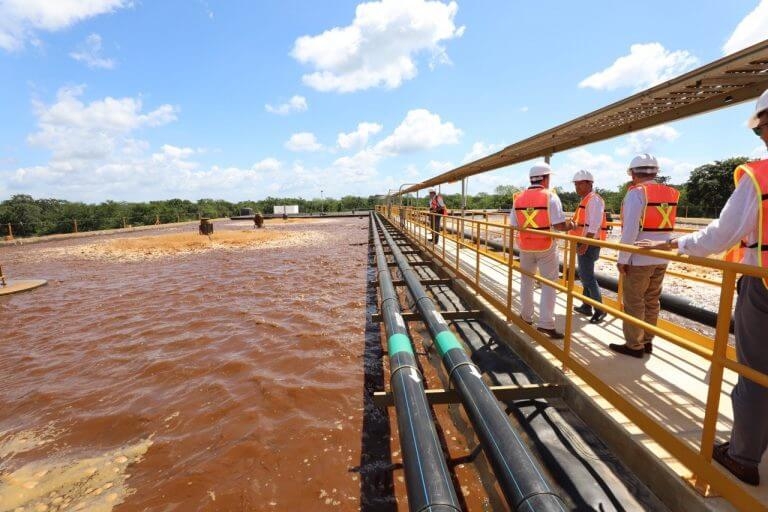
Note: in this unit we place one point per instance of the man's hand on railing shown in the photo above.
(653, 244)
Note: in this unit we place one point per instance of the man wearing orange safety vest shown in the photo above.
(648, 211)
(436, 207)
(590, 223)
(539, 209)
(744, 218)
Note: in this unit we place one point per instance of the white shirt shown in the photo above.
(632, 212)
(593, 216)
(737, 220)
(556, 214)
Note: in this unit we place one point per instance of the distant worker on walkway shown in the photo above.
(437, 207)
(539, 208)
(743, 219)
(590, 223)
(258, 220)
(648, 211)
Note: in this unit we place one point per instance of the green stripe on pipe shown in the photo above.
(447, 341)
(399, 343)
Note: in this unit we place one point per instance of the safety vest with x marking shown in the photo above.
(660, 206)
(532, 212)
(758, 174)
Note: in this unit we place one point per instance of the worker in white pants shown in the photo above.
(538, 209)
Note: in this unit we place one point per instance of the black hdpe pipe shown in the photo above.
(427, 479)
(672, 303)
(519, 476)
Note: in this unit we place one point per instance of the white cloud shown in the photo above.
(524, 109)
(72, 129)
(89, 52)
(436, 167)
(358, 138)
(303, 141)
(20, 20)
(267, 164)
(378, 49)
(420, 130)
(646, 65)
(646, 141)
(479, 150)
(752, 29)
(295, 104)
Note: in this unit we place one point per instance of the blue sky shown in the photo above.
(139, 100)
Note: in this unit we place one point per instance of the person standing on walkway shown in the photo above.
(436, 207)
(743, 219)
(648, 211)
(590, 223)
(539, 208)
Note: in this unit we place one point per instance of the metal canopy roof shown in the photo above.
(733, 79)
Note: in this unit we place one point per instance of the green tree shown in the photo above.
(710, 185)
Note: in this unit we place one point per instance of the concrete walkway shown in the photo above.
(670, 385)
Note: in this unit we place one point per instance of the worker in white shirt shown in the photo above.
(648, 211)
(742, 219)
(590, 223)
(539, 208)
(437, 208)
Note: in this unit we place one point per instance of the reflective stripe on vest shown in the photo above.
(758, 173)
(532, 212)
(660, 211)
(580, 219)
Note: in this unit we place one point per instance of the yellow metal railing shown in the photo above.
(706, 478)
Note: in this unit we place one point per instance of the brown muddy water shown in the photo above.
(225, 379)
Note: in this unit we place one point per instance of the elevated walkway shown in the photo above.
(669, 388)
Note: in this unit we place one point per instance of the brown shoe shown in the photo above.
(648, 347)
(744, 472)
(623, 349)
(552, 333)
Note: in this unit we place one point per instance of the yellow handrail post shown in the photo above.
(716, 376)
(571, 277)
(459, 241)
(510, 266)
(124, 223)
(477, 258)
(75, 222)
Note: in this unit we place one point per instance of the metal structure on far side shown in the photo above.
(733, 79)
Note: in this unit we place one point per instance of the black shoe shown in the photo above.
(598, 317)
(623, 349)
(648, 347)
(584, 309)
(552, 333)
(745, 473)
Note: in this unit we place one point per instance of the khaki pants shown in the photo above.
(642, 288)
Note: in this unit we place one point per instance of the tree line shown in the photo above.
(703, 195)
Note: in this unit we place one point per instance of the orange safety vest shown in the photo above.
(758, 173)
(532, 212)
(580, 219)
(660, 211)
(434, 205)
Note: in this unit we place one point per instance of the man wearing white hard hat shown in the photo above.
(740, 222)
(648, 211)
(437, 208)
(590, 223)
(538, 209)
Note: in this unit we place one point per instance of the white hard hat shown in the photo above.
(762, 105)
(583, 176)
(540, 169)
(643, 164)
(431, 191)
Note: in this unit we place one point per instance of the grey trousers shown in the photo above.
(750, 400)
